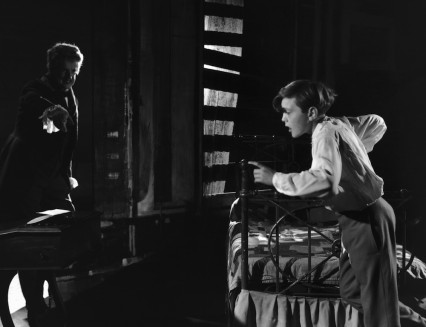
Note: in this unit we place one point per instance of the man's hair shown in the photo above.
(61, 52)
(307, 94)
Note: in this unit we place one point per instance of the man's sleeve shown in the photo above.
(322, 178)
(32, 105)
(369, 128)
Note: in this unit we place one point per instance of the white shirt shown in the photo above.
(341, 171)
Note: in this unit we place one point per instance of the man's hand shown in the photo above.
(73, 183)
(262, 174)
(58, 114)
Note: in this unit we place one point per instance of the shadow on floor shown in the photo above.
(160, 291)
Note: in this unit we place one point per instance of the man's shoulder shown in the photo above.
(35, 85)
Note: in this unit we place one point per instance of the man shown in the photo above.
(341, 173)
(35, 163)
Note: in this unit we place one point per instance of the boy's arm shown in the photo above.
(320, 180)
(369, 128)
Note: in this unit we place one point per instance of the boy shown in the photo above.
(341, 173)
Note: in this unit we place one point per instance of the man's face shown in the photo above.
(297, 121)
(65, 74)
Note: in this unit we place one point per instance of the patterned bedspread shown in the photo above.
(293, 251)
(293, 258)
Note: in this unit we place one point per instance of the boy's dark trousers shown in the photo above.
(368, 267)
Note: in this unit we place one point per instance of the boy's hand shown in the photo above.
(262, 174)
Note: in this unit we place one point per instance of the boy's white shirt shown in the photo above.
(345, 182)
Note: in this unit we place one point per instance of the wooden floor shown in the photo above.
(180, 285)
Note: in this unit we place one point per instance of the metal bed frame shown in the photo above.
(286, 206)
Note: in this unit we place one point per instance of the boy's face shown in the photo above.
(297, 121)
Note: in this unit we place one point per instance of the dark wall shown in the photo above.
(374, 52)
(371, 52)
(381, 69)
(159, 44)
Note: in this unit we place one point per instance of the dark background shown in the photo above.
(372, 52)
(140, 153)
(28, 29)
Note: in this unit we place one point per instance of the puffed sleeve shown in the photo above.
(369, 128)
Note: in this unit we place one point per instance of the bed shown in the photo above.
(283, 262)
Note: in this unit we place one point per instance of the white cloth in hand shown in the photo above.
(73, 183)
(54, 114)
(49, 126)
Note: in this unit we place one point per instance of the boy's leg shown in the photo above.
(369, 239)
(382, 231)
(349, 286)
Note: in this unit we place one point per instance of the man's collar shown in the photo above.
(53, 85)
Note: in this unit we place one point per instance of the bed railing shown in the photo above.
(284, 208)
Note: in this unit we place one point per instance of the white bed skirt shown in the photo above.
(259, 309)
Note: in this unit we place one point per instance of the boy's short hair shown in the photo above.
(61, 52)
(307, 94)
